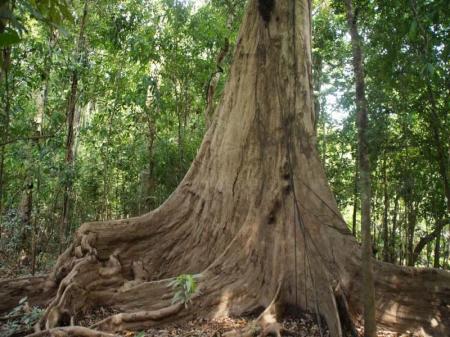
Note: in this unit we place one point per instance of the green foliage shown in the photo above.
(142, 74)
(185, 287)
(51, 12)
(9, 37)
(405, 48)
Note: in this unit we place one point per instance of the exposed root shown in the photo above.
(347, 324)
(272, 330)
(137, 320)
(265, 325)
(71, 331)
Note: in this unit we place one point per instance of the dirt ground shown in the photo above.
(20, 321)
(302, 325)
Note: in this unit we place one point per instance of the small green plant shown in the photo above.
(254, 328)
(185, 287)
(10, 328)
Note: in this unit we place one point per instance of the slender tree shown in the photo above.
(368, 293)
(5, 58)
(70, 120)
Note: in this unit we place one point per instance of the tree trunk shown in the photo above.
(69, 160)
(6, 58)
(355, 197)
(5, 61)
(35, 219)
(368, 292)
(254, 217)
(385, 214)
(447, 252)
(151, 109)
(3, 6)
(25, 209)
(71, 106)
(2, 166)
(393, 241)
(106, 211)
(437, 250)
(410, 231)
(42, 114)
(317, 69)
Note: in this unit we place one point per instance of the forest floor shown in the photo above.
(294, 325)
(303, 325)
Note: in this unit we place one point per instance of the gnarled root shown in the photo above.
(236, 283)
(138, 320)
(266, 325)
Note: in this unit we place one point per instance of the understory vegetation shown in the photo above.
(102, 112)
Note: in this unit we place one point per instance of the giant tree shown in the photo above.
(253, 217)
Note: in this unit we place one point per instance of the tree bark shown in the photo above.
(2, 166)
(410, 231)
(151, 110)
(71, 106)
(5, 59)
(318, 69)
(386, 249)
(5, 7)
(368, 293)
(355, 196)
(393, 253)
(437, 250)
(447, 253)
(254, 217)
(6, 55)
(43, 112)
(25, 212)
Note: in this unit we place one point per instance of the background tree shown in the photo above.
(368, 293)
